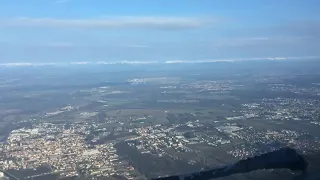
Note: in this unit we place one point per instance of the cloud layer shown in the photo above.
(112, 22)
(19, 64)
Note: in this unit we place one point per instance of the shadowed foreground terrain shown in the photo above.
(285, 163)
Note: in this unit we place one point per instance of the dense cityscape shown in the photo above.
(159, 90)
(156, 126)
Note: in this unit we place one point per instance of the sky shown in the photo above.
(46, 31)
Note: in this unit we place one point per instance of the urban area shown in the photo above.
(149, 127)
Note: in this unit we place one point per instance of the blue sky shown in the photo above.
(157, 30)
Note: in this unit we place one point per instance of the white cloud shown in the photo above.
(61, 44)
(260, 38)
(25, 64)
(62, 1)
(80, 63)
(158, 62)
(256, 41)
(137, 46)
(112, 22)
